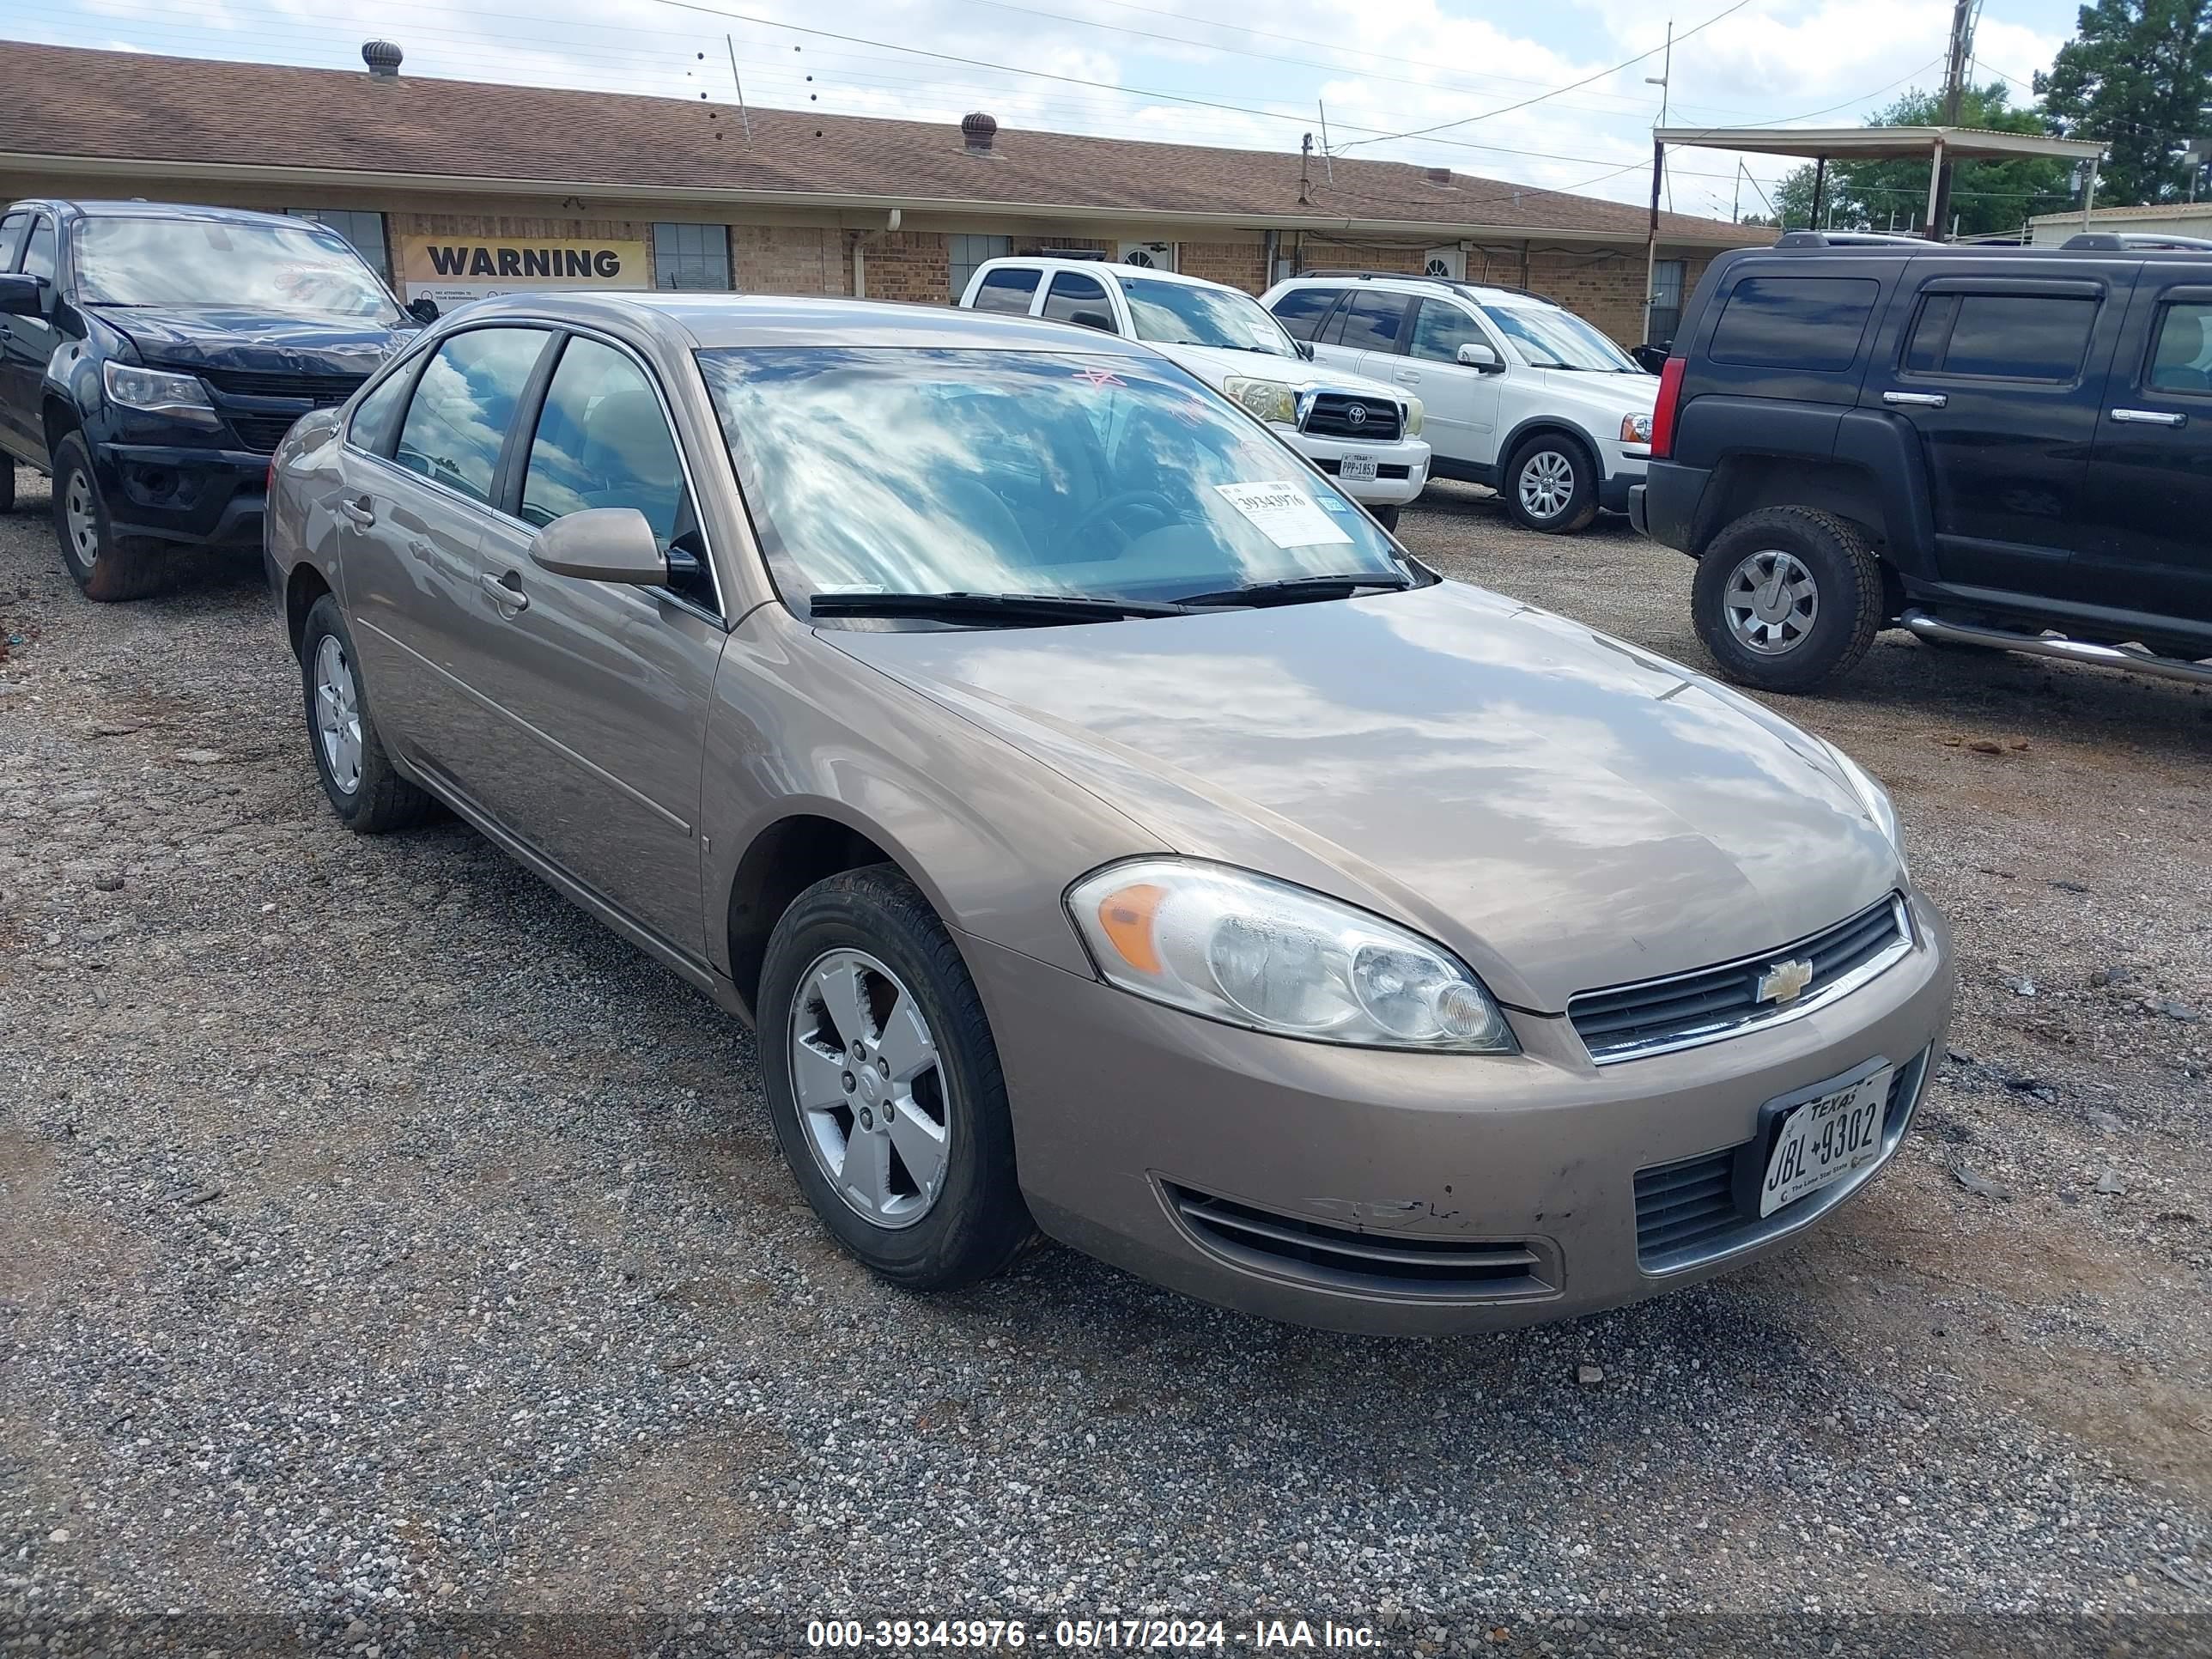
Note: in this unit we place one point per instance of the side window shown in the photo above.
(1072, 292)
(39, 255)
(463, 405)
(2182, 359)
(1370, 323)
(1440, 329)
(1303, 310)
(1011, 289)
(11, 238)
(602, 441)
(2008, 337)
(376, 417)
(1812, 322)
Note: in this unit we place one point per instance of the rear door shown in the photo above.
(1365, 329)
(421, 458)
(2001, 373)
(2149, 497)
(598, 691)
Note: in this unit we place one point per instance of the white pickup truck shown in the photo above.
(1362, 433)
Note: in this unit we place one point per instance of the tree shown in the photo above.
(2138, 75)
(1986, 196)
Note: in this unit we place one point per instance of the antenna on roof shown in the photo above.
(1326, 159)
(743, 114)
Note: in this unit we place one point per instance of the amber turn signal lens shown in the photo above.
(1125, 918)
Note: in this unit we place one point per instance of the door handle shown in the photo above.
(2150, 417)
(1914, 399)
(507, 589)
(1408, 377)
(359, 511)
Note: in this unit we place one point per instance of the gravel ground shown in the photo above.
(389, 1257)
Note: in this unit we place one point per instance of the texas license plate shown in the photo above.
(1824, 1140)
(1356, 469)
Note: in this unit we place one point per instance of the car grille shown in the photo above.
(1655, 1016)
(1343, 1259)
(1686, 1212)
(322, 390)
(1382, 468)
(1332, 416)
(260, 433)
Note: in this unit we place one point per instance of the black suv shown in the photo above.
(2008, 447)
(151, 357)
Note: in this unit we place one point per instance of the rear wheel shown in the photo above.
(1551, 484)
(1787, 596)
(884, 1083)
(7, 482)
(108, 567)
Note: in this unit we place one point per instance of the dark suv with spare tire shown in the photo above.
(151, 358)
(2008, 447)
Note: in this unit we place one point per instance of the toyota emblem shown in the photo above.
(1355, 416)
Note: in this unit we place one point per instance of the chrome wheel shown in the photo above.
(81, 515)
(1771, 602)
(338, 713)
(873, 1103)
(1547, 484)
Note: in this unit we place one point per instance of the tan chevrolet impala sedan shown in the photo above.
(1104, 825)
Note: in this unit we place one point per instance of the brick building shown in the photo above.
(454, 187)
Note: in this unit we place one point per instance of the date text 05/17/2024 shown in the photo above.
(1090, 1635)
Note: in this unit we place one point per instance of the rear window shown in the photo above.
(1300, 311)
(1370, 323)
(2008, 337)
(1812, 322)
(1010, 289)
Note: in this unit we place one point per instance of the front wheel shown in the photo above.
(1385, 516)
(109, 568)
(1787, 596)
(365, 789)
(1551, 484)
(884, 1083)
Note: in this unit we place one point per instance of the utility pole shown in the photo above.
(1658, 174)
(1665, 81)
(1963, 13)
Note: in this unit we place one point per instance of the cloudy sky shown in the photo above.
(1377, 67)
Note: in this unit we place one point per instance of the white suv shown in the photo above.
(1523, 395)
(1362, 433)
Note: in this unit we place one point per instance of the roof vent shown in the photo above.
(977, 131)
(383, 60)
(1441, 176)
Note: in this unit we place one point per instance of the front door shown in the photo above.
(2150, 479)
(2001, 377)
(27, 344)
(1461, 402)
(600, 691)
(417, 488)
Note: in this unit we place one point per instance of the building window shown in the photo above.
(364, 230)
(695, 257)
(1666, 301)
(969, 252)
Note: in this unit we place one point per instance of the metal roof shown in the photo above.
(1880, 143)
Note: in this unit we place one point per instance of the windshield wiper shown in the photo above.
(1297, 590)
(1010, 609)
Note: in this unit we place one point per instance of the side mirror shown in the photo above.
(21, 295)
(1474, 354)
(1098, 319)
(1305, 349)
(602, 545)
(424, 310)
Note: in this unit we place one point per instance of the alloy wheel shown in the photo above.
(1547, 484)
(338, 713)
(1771, 602)
(872, 1101)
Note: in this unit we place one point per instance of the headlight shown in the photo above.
(1271, 400)
(1251, 951)
(1416, 417)
(1636, 429)
(152, 388)
(1874, 797)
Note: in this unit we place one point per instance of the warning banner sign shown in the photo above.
(453, 269)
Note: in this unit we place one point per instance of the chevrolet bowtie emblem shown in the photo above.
(1785, 981)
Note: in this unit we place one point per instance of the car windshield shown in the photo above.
(914, 470)
(1550, 337)
(1175, 313)
(208, 262)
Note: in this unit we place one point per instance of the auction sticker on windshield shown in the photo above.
(1284, 513)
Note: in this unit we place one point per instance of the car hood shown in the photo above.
(229, 337)
(1214, 364)
(1564, 810)
(1616, 394)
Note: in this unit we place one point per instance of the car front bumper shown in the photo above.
(203, 497)
(1625, 470)
(1138, 1129)
(1401, 466)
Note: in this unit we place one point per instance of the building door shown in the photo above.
(1666, 320)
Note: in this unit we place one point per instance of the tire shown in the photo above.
(1386, 516)
(7, 482)
(365, 790)
(951, 1113)
(1816, 623)
(109, 568)
(1540, 465)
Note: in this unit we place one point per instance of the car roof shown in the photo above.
(709, 320)
(1482, 294)
(115, 210)
(1061, 261)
